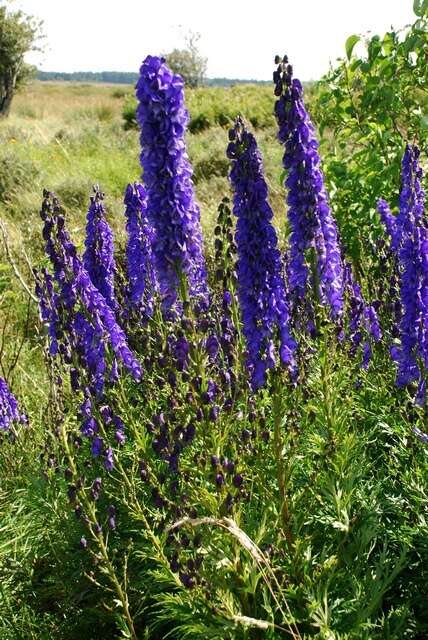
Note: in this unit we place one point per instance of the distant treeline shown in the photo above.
(127, 77)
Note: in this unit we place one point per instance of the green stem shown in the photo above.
(280, 467)
(99, 539)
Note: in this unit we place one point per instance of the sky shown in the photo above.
(239, 37)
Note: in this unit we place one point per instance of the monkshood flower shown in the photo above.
(167, 175)
(98, 258)
(86, 318)
(261, 289)
(48, 306)
(140, 269)
(363, 321)
(9, 411)
(411, 201)
(311, 222)
(409, 246)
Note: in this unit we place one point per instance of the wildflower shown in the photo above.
(171, 207)
(87, 321)
(98, 258)
(140, 269)
(311, 222)
(261, 288)
(9, 410)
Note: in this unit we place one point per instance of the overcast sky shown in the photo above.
(239, 37)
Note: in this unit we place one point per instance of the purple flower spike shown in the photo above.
(98, 258)
(9, 411)
(139, 249)
(311, 222)
(171, 207)
(86, 321)
(261, 288)
(409, 245)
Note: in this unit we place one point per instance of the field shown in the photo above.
(196, 502)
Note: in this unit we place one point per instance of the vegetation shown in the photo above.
(19, 34)
(188, 62)
(372, 103)
(298, 510)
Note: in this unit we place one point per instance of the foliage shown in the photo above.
(188, 62)
(212, 106)
(302, 506)
(368, 107)
(19, 34)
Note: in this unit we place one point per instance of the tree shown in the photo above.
(188, 62)
(19, 34)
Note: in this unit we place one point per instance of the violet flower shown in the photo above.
(98, 258)
(139, 249)
(83, 313)
(9, 410)
(310, 218)
(167, 175)
(261, 289)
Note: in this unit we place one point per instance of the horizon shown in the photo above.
(313, 34)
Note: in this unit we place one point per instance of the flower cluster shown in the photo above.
(167, 175)
(311, 222)
(9, 410)
(363, 323)
(261, 288)
(139, 251)
(78, 314)
(409, 245)
(98, 258)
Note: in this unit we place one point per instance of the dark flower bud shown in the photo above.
(277, 59)
(83, 542)
(245, 434)
(187, 580)
(150, 427)
(229, 466)
(190, 565)
(213, 414)
(219, 479)
(214, 461)
(237, 480)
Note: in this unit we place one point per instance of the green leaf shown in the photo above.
(420, 7)
(350, 44)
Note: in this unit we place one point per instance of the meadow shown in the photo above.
(173, 480)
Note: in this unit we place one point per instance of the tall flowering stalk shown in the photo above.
(311, 222)
(167, 175)
(409, 246)
(98, 258)
(9, 410)
(363, 321)
(78, 314)
(139, 250)
(261, 288)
